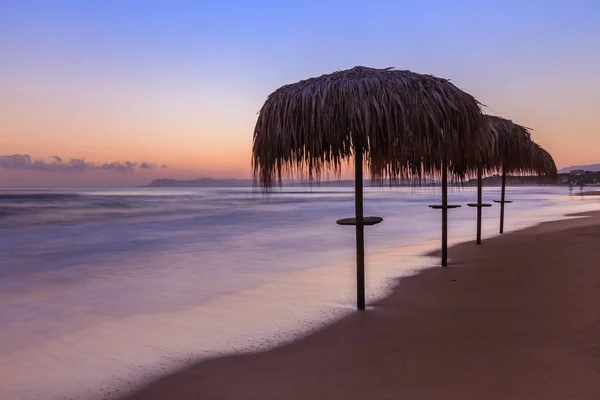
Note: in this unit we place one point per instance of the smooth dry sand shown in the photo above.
(515, 318)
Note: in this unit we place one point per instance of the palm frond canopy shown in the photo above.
(513, 149)
(404, 122)
(510, 145)
(543, 163)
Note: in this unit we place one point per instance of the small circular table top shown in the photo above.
(500, 201)
(440, 206)
(364, 221)
(479, 204)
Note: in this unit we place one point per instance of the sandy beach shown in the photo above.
(591, 193)
(515, 318)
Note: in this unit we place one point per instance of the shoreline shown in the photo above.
(252, 375)
(590, 193)
(144, 347)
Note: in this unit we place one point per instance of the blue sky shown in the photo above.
(180, 82)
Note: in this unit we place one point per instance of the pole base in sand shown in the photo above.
(359, 223)
(480, 205)
(444, 209)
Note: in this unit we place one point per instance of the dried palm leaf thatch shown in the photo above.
(510, 144)
(405, 123)
(514, 150)
(543, 163)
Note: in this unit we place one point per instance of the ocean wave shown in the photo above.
(20, 197)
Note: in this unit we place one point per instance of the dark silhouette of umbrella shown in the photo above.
(543, 164)
(509, 148)
(400, 123)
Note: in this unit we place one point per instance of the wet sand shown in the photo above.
(515, 318)
(591, 193)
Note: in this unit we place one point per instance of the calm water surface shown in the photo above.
(103, 289)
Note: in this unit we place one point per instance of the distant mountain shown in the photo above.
(212, 182)
(496, 180)
(591, 167)
(202, 182)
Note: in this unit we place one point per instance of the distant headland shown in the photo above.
(202, 182)
(573, 168)
(573, 178)
(214, 182)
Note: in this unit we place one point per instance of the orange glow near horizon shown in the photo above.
(189, 98)
(216, 141)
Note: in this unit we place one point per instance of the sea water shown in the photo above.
(102, 290)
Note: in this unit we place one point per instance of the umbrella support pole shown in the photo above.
(444, 214)
(359, 222)
(360, 230)
(480, 204)
(502, 199)
(479, 200)
(444, 207)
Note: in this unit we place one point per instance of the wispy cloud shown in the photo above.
(126, 166)
(57, 164)
(146, 165)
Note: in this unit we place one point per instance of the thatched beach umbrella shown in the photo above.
(400, 123)
(513, 152)
(540, 162)
(543, 164)
(506, 146)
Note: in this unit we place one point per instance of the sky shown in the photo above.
(117, 93)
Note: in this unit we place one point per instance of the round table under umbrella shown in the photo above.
(398, 123)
